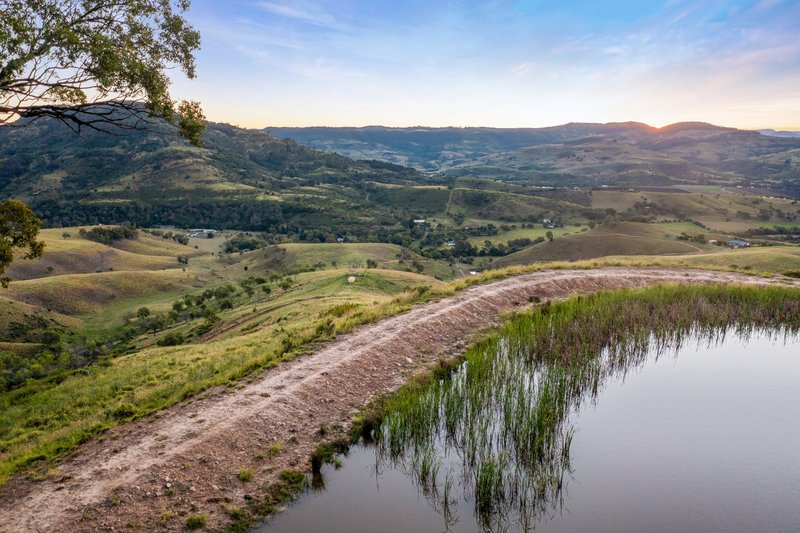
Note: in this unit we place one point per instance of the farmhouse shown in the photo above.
(736, 243)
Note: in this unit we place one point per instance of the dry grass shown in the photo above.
(76, 255)
(597, 244)
(84, 294)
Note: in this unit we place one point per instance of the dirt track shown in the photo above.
(186, 459)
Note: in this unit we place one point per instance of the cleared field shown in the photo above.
(84, 294)
(76, 255)
(722, 211)
(24, 349)
(574, 248)
(345, 254)
(13, 311)
(150, 245)
(525, 233)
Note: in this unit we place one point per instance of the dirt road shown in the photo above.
(151, 474)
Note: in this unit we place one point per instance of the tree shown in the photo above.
(96, 64)
(549, 236)
(18, 230)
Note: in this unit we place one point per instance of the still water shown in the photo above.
(702, 438)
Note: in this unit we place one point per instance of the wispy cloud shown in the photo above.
(306, 12)
(523, 69)
(356, 59)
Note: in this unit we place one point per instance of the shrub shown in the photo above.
(123, 411)
(107, 235)
(171, 339)
(196, 521)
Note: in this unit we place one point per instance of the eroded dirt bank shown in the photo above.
(151, 474)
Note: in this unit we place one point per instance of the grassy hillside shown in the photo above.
(240, 179)
(301, 256)
(611, 240)
(626, 239)
(83, 294)
(67, 253)
(251, 336)
(725, 209)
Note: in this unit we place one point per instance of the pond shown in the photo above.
(687, 432)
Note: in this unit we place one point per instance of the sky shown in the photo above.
(498, 63)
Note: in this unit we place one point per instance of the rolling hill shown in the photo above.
(577, 154)
(243, 179)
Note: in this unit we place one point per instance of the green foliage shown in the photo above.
(327, 454)
(700, 238)
(191, 121)
(123, 411)
(107, 235)
(18, 230)
(245, 475)
(16, 369)
(171, 339)
(294, 479)
(105, 52)
(243, 243)
(196, 521)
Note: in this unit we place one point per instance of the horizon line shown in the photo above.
(788, 129)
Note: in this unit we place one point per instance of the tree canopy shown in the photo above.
(18, 230)
(96, 63)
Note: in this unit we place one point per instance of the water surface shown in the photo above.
(705, 438)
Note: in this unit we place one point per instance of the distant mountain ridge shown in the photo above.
(775, 133)
(252, 179)
(623, 153)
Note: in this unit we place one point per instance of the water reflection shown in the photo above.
(499, 430)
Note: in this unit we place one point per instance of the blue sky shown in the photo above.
(497, 63)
